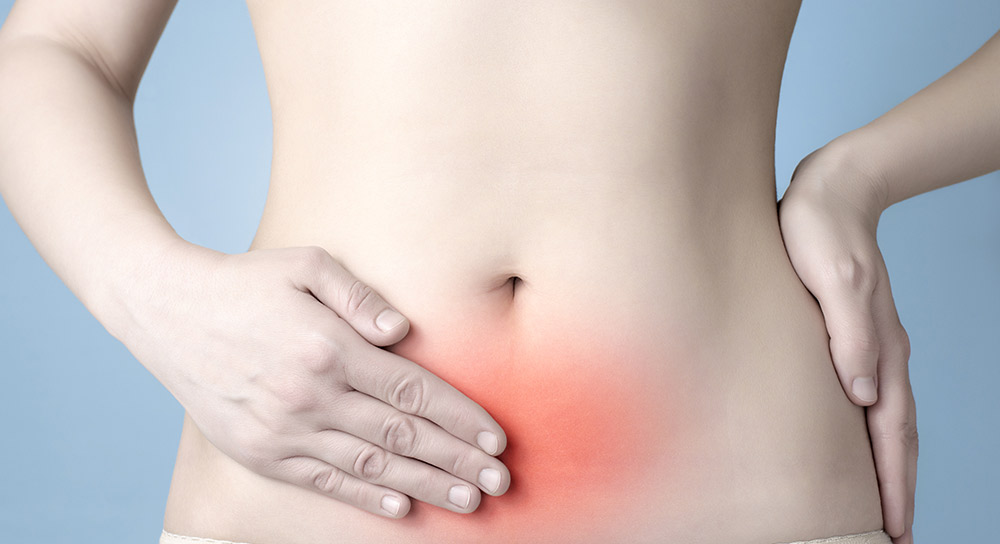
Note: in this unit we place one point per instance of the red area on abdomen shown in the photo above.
(587, 424)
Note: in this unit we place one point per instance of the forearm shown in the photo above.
(70, 171)
(946, 133)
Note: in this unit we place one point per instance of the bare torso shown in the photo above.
(661, 373)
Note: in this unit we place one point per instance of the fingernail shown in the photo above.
(459, 495)
(864, 389)
(390, 504)
(490, 479)
(388, 319)
(488, 442)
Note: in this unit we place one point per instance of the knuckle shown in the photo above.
(329, 480)
(911, 438)
(852, 271)
(897, 348)
(313, 256)
(318, 354)
(903, 341)
(277, 421)
(903, 431)
(308, 259)
(296, 398)
(358, 294)
(255, 448)
(371, 462)
(409, 394)
(400, 434)
(275, 424)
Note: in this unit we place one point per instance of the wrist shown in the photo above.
(134, 280)
(844, 170)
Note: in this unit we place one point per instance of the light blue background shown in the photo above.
(90, 436)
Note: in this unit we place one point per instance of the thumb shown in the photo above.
(846, 303)
(352, 299)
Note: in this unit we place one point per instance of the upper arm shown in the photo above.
(117, 36)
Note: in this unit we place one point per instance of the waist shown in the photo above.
(652, 369)
(477, 227)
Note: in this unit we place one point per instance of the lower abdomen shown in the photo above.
(590, 429)
(651, 397)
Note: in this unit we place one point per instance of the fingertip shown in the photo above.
(501, 442)
(404, 507)
(504, 483)
(394, 506)
(893, 525)
(463, 498)
(388, 319)
(863, 403)
(489, 442)
(390, 327)
(475, 499)
(864, 391)
(494, 480)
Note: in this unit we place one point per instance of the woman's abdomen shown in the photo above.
(654, 386)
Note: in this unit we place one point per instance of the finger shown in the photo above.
(372, 464)
(352, 299)
(410, 388)
(316, 475)
(892, 421)
(415, 437)
(887, 422)
(896, 341)
(846, 301)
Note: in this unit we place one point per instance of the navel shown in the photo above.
(515, 284)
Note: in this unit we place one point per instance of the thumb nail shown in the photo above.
(388, 319)
(864, 388)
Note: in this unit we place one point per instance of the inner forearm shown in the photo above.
(70, 170)
(946, 133)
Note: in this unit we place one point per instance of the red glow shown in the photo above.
(584, 428)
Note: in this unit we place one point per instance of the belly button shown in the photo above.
(515, 284)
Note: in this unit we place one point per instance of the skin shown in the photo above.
(314, 425)
(944, 134)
